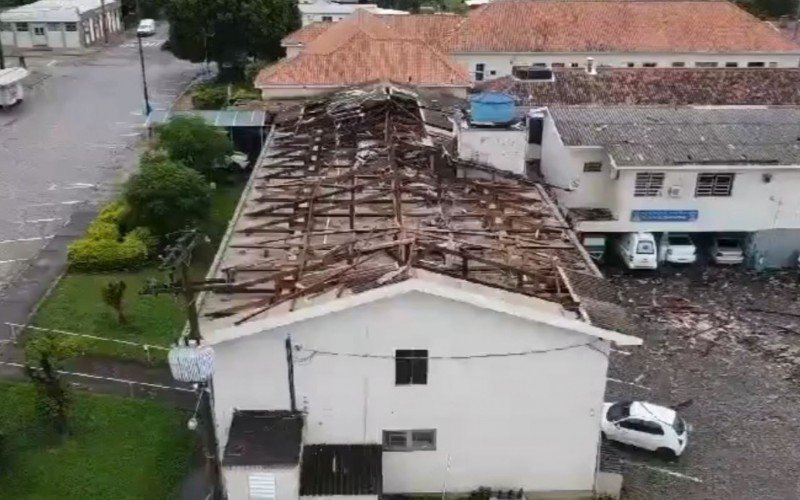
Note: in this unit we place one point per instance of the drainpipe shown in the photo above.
(590, 66)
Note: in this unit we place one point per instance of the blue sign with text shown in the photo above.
(663, 215)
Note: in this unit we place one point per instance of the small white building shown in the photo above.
(59, 24)
(691, 169)
(328, 11)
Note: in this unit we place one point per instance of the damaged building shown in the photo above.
(414, 323)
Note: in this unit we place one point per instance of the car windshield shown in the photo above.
(679, 425)
(680, 241)
(645, 247)
(618, 411)
(727, 243)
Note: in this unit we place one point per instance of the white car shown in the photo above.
(147, 27)
(727, 250)
(637, 250)
(645, 425)
(680, 249)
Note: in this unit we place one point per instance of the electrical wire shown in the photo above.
(315, 352)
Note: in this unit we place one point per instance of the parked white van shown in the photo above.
(637, 250)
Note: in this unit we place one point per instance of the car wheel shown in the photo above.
(666, 454)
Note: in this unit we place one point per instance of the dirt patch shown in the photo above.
(728, 339)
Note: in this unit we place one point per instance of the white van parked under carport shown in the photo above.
(637, 250)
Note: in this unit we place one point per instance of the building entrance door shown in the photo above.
(38, 37)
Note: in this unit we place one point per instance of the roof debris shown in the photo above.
(352, 193)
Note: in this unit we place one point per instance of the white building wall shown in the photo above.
(237, 486)
(55, 38)
(527, 422)
(504, 149)
(501, 63)
(562, 166)
(73, 38)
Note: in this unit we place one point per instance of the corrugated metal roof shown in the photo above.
(341, 469)
(648, 136)
(221, 118)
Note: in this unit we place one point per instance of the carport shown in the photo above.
(245, 128)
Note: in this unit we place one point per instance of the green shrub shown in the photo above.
(144, 235)
(166, 197)
(88, 254)
(113, 213)
(99, 230)
(210, 97)
(194, 143)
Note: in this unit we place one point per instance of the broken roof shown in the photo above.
(616, 26)
(365, 48)
(352, 194)
(654, 136)
(650, 86)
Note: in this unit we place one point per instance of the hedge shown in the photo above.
(93, 254)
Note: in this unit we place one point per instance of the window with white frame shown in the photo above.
(409, 440)
(731, 64)
(649, 65)
(755, 64)
(648, 184)
(22, 26)
(5, 27)
(71, 26)
(714, 184)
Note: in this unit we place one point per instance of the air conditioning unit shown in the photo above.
(674, 191)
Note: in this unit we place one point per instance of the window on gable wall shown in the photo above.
(411, 367)
(648, 184)
(714, 185)
(593, 166)
(480, 68)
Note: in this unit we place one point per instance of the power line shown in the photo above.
(84, 335)
(529, 352)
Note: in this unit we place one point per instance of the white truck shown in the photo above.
(11, 86)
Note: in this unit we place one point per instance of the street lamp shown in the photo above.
(147, 108)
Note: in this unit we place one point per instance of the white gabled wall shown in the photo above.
(508, 422)
(504, 149)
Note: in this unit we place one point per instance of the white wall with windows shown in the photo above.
(528, 421)
(488, 66)
(49, 25)
(734, 198)
(502, 148)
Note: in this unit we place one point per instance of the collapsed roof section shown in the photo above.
(352, 193)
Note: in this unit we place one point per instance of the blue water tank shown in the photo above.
(492, 107)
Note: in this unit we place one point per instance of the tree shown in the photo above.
(165, 196)
(192, 142)
(45, 355)
(113, 294)
(230, 31)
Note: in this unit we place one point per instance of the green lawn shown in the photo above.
(119, 449)
(75, 304)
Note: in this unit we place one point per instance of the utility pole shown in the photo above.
(2, 57)
(177, 261)
(104, 24)
(147, 107)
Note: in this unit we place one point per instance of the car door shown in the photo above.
(630, 432)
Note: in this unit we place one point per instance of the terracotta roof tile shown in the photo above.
(615, 25)
(365, 48)
(436, 29)
(670, 86)
(305, 34)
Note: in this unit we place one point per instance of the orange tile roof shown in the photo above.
(364, 48)
(305, 34)
(436, 29)
(615, 25)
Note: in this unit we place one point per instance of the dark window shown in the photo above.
(5, 27)
(532, 73)
(480, 68)
(327, 19)
(649, 65)
(411, 367)
(535, 128)
(678, 64)
(409, 440)
(618, 411)
(53, 26)
(592, 166)
(631, 65)
(22, 26)
(573, 65)
(633, 424)
(755, 65)
(731, 64)
(652, 428)
(706, 64)
(648, 184)
(493, 72)
(71, 26)
(38, 30)
(714, 184)
(557, 65)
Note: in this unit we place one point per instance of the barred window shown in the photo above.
(714, 184)
(648, 184)
(593, 166)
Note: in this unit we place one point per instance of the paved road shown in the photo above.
(73, 140)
